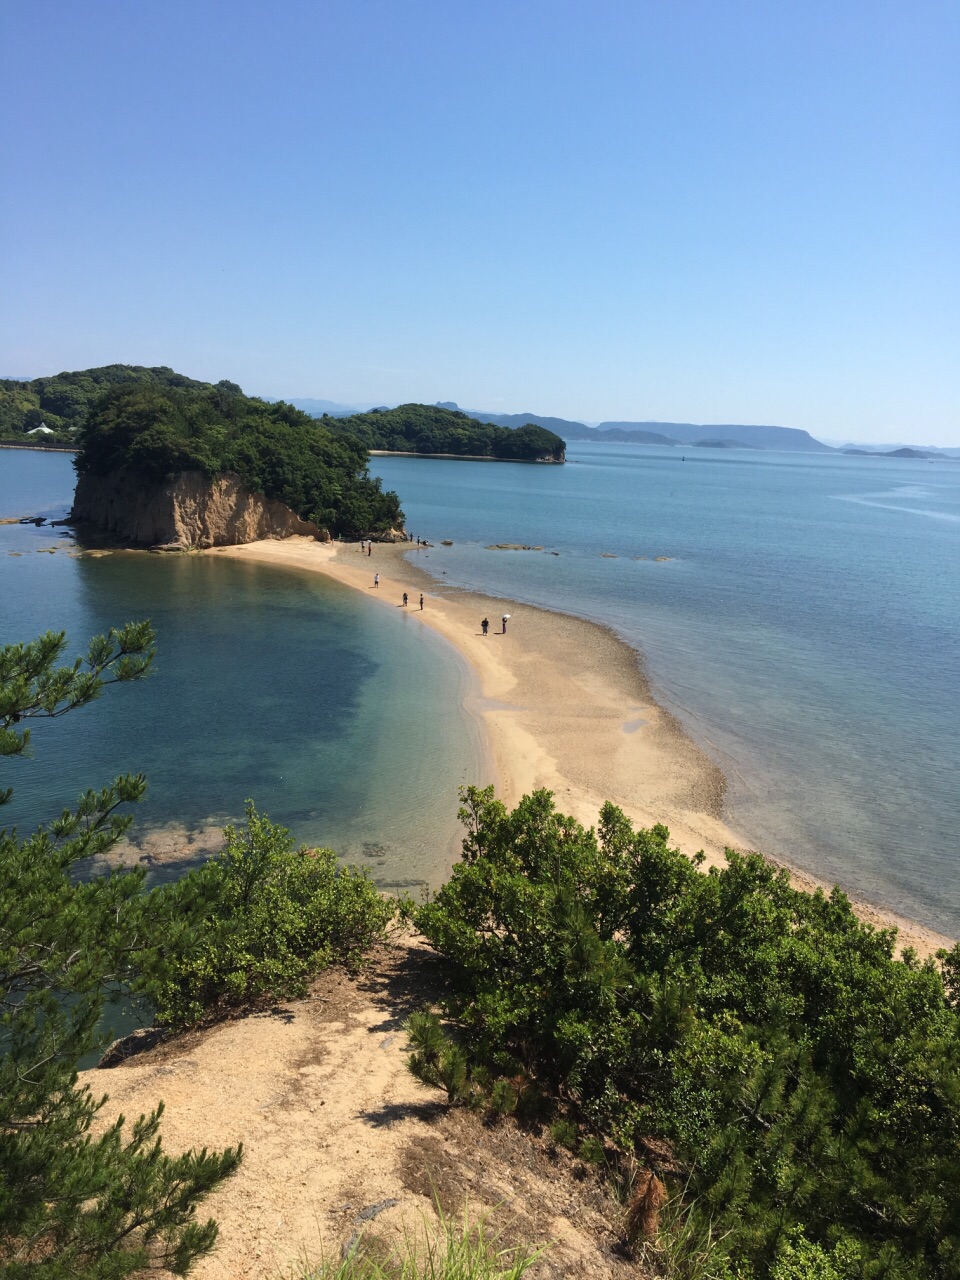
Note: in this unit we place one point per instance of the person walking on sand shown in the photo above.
(404, 599)
(504, 621)
(484, 625)
(376, 579)
(369, 548)
(421, 601)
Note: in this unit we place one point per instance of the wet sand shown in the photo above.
(561, 703)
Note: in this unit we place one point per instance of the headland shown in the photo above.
(562, 703)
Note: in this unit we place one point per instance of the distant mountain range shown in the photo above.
(711, 435)
(336, 410)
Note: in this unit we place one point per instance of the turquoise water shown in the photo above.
(340, 718)
(804, 627)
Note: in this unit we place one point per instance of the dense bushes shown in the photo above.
(275, 449)
(257, 921)
(423, 428)
(807, 1082)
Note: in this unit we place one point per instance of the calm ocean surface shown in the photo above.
(339, 718)
(805, 628)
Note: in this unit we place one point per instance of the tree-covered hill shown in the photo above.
(62, 401)
(158, 429)
(430, 429)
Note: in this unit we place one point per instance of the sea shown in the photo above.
(799, 613)
(341, 720)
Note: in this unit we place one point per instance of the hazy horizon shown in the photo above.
(742, 213)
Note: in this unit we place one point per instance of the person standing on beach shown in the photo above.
(404, 599)
(421, 600)
(369, 548)
(484, 625)
(504, 621)
(376, 579)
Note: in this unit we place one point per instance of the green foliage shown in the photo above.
(799, 1259)
(157, 431)
(564, 1133)
(259, 920)
(436, 1059)
(62, 402)
(807, 1080)
(74, 1206)
(32, 686)
(422, 428)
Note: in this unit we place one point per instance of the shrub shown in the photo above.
(805, 1079)
(257, 921)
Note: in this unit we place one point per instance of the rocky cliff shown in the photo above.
(188, 510)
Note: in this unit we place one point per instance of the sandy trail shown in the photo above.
(340, 1138)
(562, 703)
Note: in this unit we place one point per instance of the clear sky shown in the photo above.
(693, 210)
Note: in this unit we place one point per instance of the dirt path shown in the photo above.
(339, 1137)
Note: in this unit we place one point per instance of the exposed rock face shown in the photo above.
(188, 510)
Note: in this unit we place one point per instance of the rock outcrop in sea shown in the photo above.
(188, 510)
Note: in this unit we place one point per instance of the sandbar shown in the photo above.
(561, 703)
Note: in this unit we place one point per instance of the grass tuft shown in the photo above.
(448, 1250)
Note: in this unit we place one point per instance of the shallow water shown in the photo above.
(341, 719)
(803, 624)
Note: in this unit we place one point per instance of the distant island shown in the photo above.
(439, 431)
(905, 452)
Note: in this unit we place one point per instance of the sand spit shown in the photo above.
(561, 702)
(340, 1138)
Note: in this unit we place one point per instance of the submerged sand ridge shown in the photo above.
(562, 703)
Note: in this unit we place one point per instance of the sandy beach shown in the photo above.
(561, 703)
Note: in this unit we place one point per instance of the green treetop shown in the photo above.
(74, 1205)
(423, 428)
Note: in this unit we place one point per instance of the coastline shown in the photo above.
(456, 457)
(562, 703)
(40, 448)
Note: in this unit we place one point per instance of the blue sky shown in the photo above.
(697, 210)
